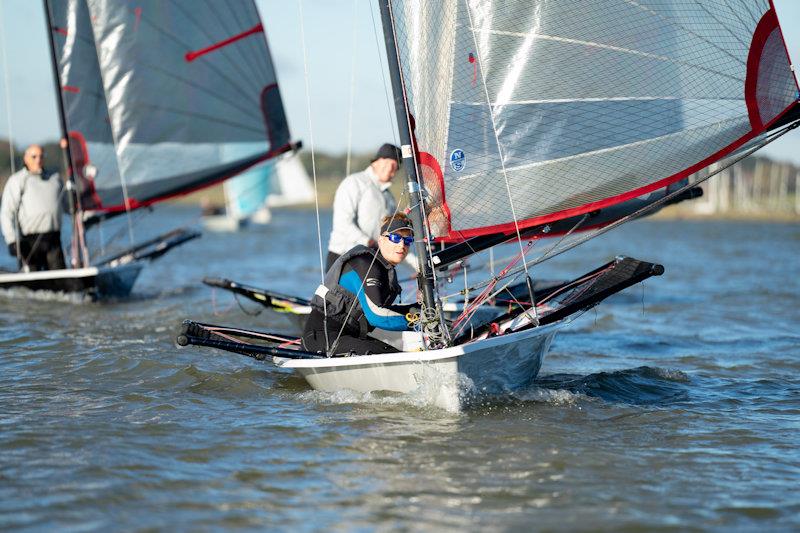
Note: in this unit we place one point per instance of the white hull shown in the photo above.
(223, 223)
(262, 217)
(491, 366)
(97, 282)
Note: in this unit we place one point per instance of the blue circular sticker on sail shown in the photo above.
(458, 160)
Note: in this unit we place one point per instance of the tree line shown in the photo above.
(755, 184)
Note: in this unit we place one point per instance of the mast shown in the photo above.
(74, 210)
(409, 150)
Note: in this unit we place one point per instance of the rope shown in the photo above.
(378, 46)
(352, 91)
(214, 304)
(313, 166)
(463, 319)
(500, 151)
(7, 87)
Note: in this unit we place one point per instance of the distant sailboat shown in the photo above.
(149, 93)
(249, 197)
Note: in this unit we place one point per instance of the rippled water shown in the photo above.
(673, 406)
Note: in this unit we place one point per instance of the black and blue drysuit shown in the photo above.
(356, 297)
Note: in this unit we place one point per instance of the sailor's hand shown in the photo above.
(12, 249)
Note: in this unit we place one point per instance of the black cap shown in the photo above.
(396, 224)
(388, 151)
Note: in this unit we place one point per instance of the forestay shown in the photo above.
(179, 81)
(547, 110)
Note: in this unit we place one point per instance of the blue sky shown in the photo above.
(336, 32)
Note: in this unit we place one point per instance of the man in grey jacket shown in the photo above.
(30, 214)
(361, 201)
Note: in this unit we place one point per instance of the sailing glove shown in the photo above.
(12, 249)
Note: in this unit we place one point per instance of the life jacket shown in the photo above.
(342, 306)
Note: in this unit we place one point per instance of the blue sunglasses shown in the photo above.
(397, 239)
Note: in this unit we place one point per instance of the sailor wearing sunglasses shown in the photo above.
(358, 294)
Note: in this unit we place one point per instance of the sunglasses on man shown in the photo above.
(396, 238)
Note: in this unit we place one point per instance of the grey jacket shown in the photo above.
(360, 203)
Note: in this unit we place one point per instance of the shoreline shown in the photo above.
(325, 195)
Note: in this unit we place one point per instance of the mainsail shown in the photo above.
(157, 92)
(531, 112)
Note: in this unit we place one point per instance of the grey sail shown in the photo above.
(531, 112)
(190, 92)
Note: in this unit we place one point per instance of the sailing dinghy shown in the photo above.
(157, 99)
(531, 113)
(249, 197)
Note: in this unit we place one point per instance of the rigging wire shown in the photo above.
(395, 133)
(650, 207)
(313, 166)
(7, 90)
(354, 49)
(502, 158)
(389, 107)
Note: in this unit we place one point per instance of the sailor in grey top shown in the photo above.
(30, 214)
(361, 201)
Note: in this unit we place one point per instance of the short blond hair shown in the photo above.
(400, 217)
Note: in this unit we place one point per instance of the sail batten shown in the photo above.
(170, 98)
(580, 104)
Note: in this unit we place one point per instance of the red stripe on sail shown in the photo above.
(191, 56)
(586, 208)
(426, 159)
(71, 89)
(783, 40)
(62, 31)
(765, 27)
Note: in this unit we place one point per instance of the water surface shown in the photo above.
(673, 406)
